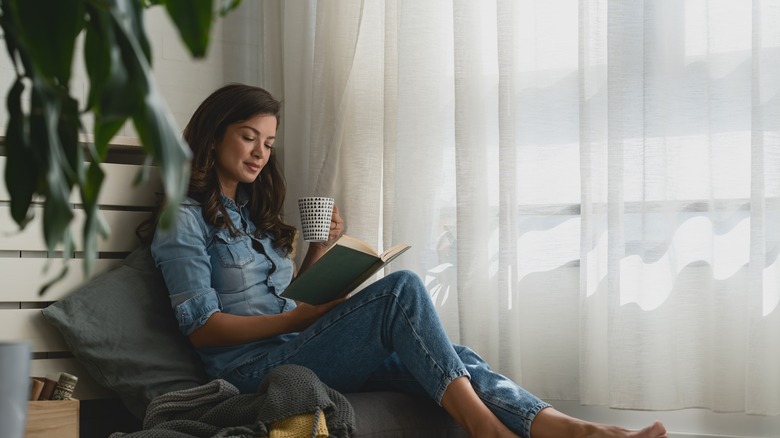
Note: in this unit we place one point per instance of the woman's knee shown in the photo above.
(406, 279)
(401, 287)
(407, 284)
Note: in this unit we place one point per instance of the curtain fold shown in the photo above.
(591, 188)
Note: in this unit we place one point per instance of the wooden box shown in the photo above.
(50, 418)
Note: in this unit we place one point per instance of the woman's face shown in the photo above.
(243, 151)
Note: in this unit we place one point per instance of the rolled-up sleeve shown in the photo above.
(181, 254)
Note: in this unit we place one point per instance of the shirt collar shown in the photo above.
(241, 197)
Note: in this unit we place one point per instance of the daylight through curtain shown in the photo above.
(591, 188)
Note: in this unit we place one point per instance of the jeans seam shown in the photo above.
(448, 376)
(454, 374)
(528, 416)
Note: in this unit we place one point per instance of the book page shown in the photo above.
(357, 245)
(394, 252)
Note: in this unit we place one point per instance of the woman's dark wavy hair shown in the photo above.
(227, 105)
(231, 104)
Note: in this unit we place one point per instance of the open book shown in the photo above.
(345, 266)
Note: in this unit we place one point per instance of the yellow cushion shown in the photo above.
(300, 426)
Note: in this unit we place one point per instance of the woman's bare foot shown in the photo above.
(470, 412)
(655, 430)
(477, 420)
(550, 423)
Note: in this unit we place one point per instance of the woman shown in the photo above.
(227, 259)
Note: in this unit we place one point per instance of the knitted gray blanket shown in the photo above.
(216, 409)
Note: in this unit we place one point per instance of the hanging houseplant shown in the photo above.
(45, 159)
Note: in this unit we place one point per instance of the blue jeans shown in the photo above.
(389, 337)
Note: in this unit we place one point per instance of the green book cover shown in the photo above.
(344, 267)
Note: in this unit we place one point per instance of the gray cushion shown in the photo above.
(121, 328)
(397, 415)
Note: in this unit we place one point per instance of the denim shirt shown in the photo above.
(207, 270)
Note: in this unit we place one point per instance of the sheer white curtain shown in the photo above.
(591, 189)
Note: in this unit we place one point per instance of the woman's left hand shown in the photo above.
(336, 229)
(317, 249)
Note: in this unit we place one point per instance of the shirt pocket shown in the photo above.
(232, 251)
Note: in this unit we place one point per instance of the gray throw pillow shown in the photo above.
(121, 328)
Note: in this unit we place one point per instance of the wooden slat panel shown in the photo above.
(30, 325)
(121, 224)
(23, 277)
(31, 238)
(4, 196)
(86, 388)
(117, 188)
(119, 141)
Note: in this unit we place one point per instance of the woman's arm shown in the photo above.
(223, 329)
(315, 251)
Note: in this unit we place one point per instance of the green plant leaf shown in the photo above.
(94, 225)
(37, 21)
(45, 158)
(227, 6)
(98, 60)
(60, 276)
(21, 167)
(153, 123)
(59, 176)
(105, 130)
(68, 128)
(111, 98)
(130, 13)
(193, 20)
(90, 190)
(153, 126)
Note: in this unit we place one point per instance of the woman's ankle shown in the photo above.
(466, 408)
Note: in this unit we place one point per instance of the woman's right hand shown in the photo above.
(304, 315)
